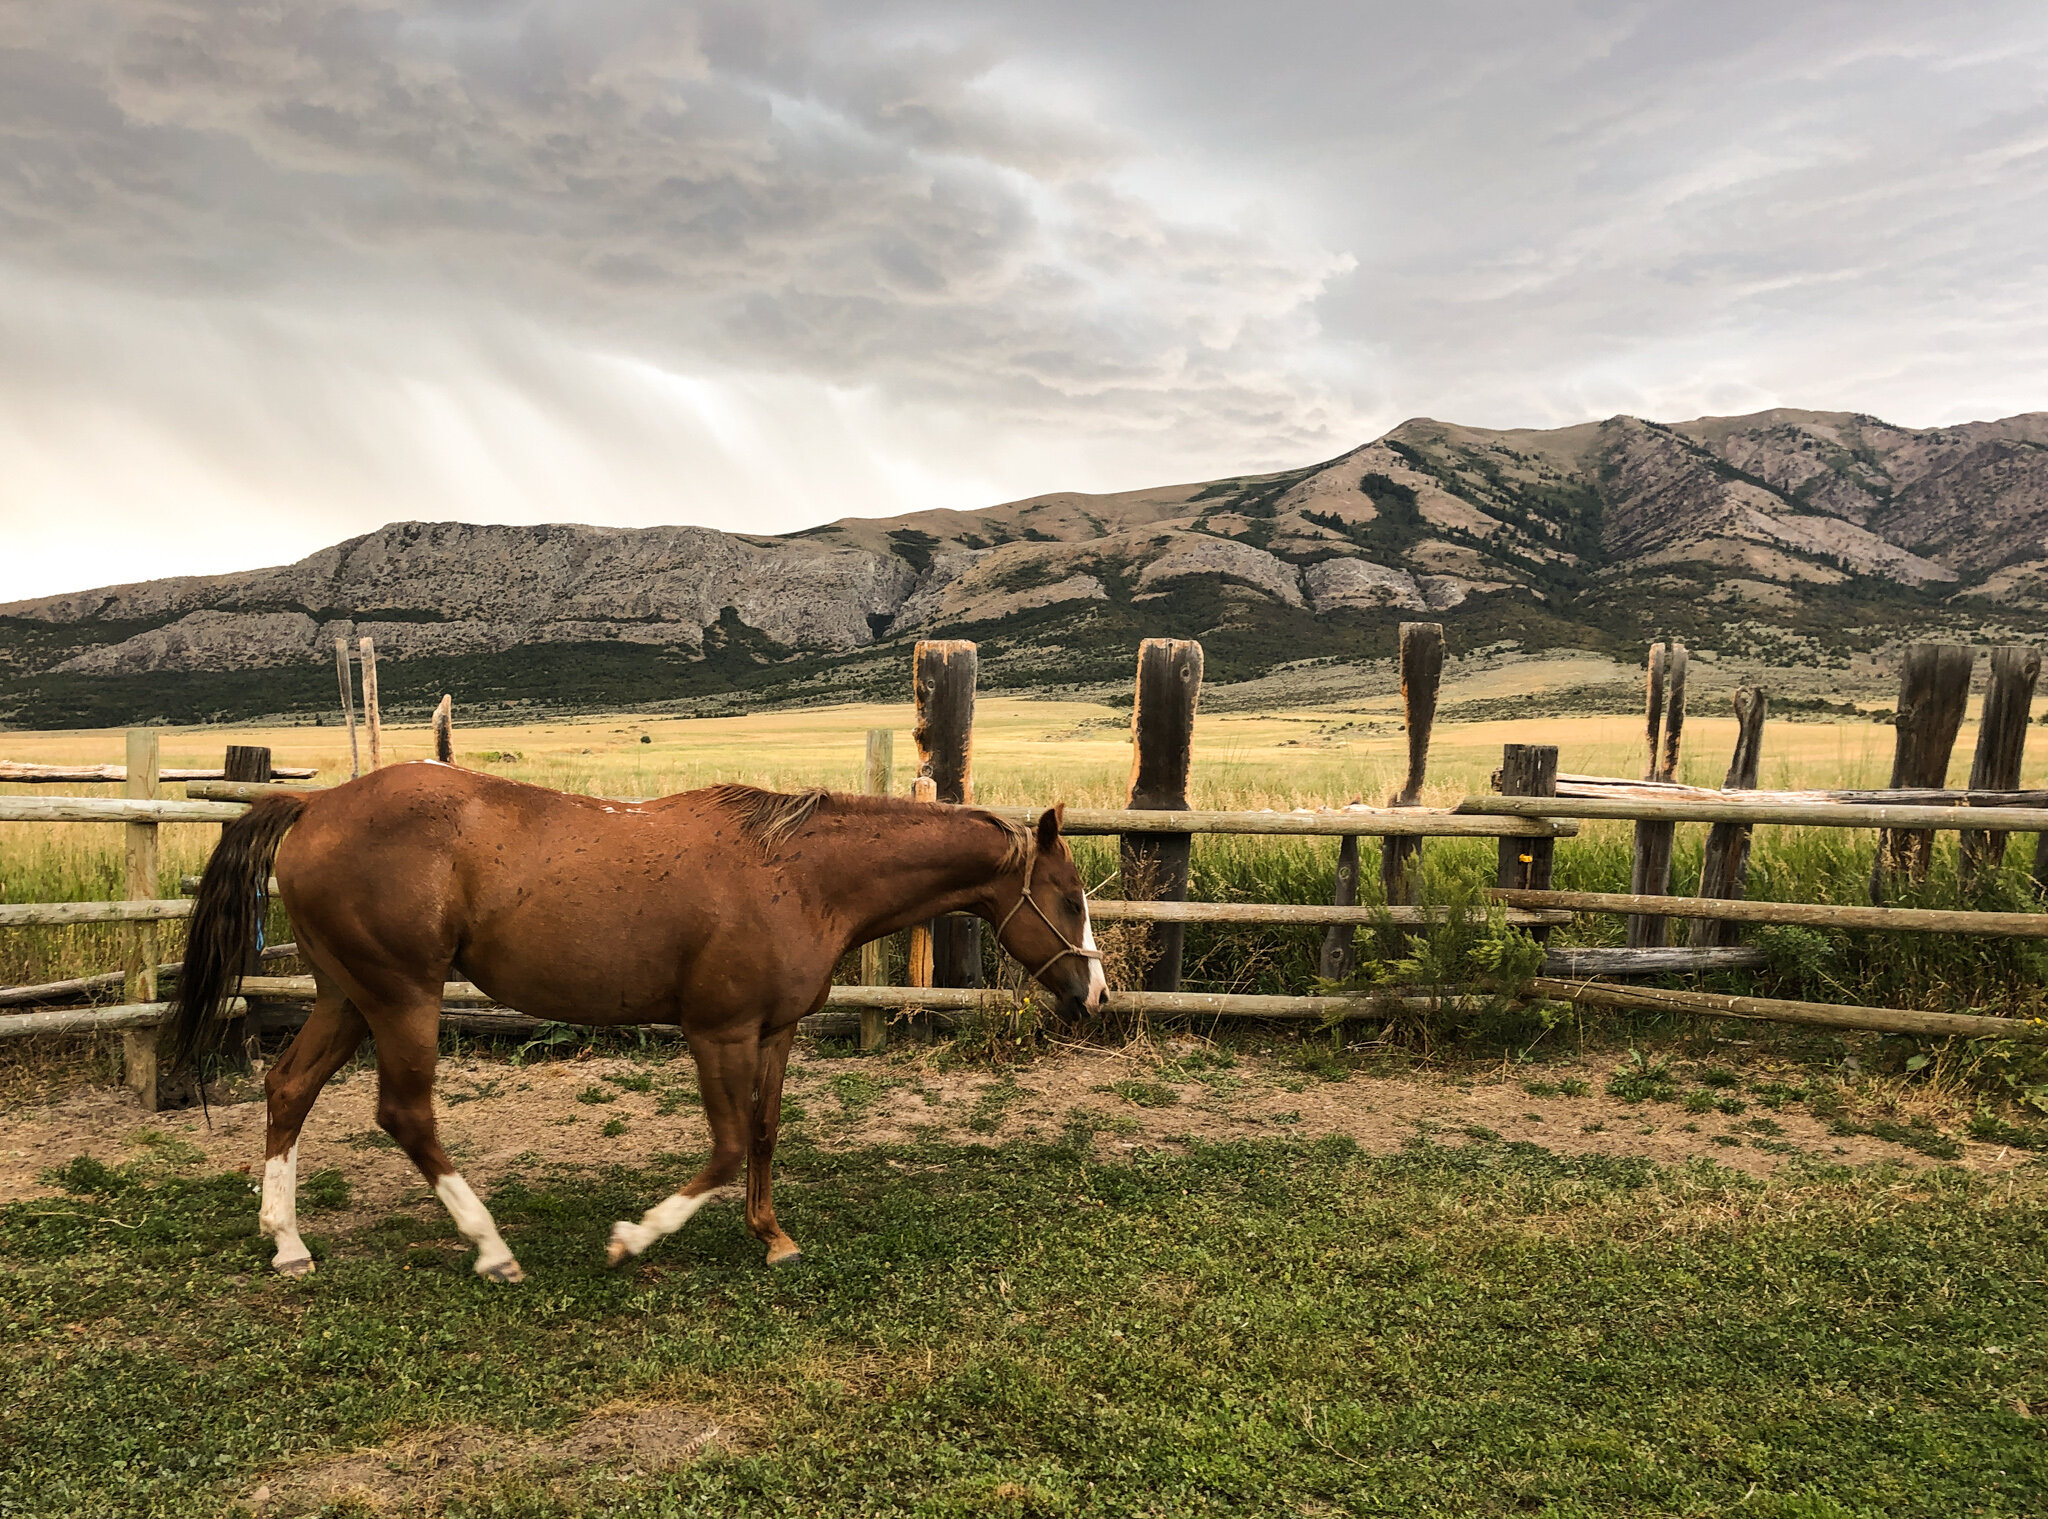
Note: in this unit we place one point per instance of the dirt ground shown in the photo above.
(498, 1118)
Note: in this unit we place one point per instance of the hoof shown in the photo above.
(622, 1246)
(507, 1272)
(302, 1266)
(789, 1257)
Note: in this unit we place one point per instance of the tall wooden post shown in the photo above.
(877, 779)
(1934, 689)
(138, 1046)
(245, 762)
(1155, 865)
(919, 971)
(372, 719)
(1525, 864)
(344, 667)
(1422, 673)
(1651, 874)
(943, 676)
(1724, 868)
(2001, 745)
(1340, 940)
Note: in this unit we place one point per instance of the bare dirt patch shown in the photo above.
(499, 1119)
(420, 1473)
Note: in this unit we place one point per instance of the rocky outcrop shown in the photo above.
(1223, 559)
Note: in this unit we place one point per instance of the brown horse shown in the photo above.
(722, 910)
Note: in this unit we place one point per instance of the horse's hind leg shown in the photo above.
(322, 1047)
(782, 1250)
(407, 1046)
(725, 1076)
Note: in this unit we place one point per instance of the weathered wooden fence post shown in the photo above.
(1724, 868)
(1155, 865)
(345, 669)
(372, 719)
(877, 779)
(1340, 940)
(2001, 745)
(138, 1046)
(245, 762)
(1525, 864)
(1651, 873)
(943, 676)
(1934, 690)
(1422, 673)
(919, 971)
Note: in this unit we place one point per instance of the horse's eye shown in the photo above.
(1078, 904)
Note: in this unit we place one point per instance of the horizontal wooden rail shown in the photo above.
(85, 986)
(50, 914)
(112, 809)
(1118, 910)
(16, 773)
(245, 791)
(2010, 925)
(97, 1020)
(1722, 810)
(1869, 1020)
(1651, 962)
(1603, 786)
(462, 994)
(1335, 822)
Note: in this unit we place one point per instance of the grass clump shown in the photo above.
(1143, 1094)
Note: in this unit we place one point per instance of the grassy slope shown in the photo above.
(1249, 1329)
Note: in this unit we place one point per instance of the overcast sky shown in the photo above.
(274, 274)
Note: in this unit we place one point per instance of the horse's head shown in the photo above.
(1046, 926)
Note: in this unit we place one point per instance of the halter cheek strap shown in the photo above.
(1067, 946)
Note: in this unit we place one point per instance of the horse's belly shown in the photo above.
(583, 976)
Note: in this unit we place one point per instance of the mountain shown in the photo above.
(1787, 535)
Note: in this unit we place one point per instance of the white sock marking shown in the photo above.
(474, 1222)
(279, 1216)
(659, 1221)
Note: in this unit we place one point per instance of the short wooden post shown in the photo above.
(371, 718)
(1650, 875)
(1525, 864)
(246, 762)
(1155, 865)
(877, 779)
(943, 676)
(919, 971)
(138, 1046)
(1724, 868)
(1422, 673)
(1934, 690)
(444, 730)
(2001, 746)
(345, 669)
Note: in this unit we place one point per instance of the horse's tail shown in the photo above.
(444, 731)
(234, 901)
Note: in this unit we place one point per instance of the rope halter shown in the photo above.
(1067, 946)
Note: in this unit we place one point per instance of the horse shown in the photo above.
(723, 910)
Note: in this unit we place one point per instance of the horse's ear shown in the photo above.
(1049, 828)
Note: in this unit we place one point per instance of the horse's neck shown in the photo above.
(897, 869)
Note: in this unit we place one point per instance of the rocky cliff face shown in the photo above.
(1741, 528)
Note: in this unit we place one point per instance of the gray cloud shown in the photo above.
(282, 271)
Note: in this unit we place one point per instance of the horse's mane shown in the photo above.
(771, 817)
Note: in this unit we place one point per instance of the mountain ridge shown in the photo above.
(1783, 534)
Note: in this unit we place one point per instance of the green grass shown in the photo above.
(1261, 1328)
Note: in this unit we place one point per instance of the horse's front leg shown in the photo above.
(725, 1076)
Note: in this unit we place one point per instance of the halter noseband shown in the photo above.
(1067, 946)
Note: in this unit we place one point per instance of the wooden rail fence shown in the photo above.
(1535, 806)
